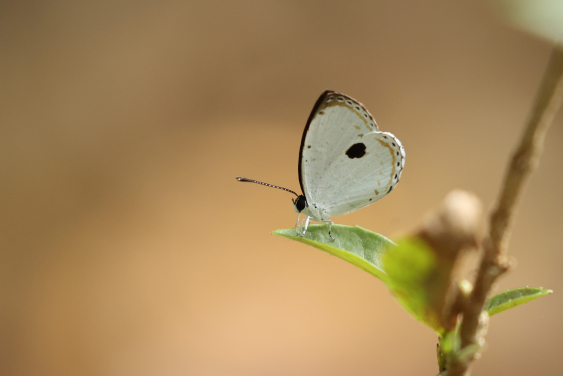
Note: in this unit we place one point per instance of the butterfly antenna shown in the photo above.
(266, 184)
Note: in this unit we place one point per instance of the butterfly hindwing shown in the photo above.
(353, 182)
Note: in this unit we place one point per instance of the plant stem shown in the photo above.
(494, 261)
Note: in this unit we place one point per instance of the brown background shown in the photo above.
(127, 246)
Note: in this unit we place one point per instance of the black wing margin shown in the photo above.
(311, 116)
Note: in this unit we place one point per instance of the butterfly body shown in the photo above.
(317, 214)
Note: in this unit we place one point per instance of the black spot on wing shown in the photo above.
(356, 151)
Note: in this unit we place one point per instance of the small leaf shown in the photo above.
(417, 279)
(512, 298)
(354, 244)
(464, 355)
(449, 342)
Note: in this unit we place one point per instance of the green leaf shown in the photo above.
(542, 17)
(512, 298)
(354, 244)
(418, 279)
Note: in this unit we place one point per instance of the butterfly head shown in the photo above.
(299, 203)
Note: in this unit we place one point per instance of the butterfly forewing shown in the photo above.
(345, 162)
(335, 121)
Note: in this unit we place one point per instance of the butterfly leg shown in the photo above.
(306, 225)
(329, 227)
(299, 226)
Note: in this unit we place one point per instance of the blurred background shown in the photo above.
(128, 248)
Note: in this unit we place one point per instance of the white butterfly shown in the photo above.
(345, 163)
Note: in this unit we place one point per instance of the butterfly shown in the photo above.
(345, 162)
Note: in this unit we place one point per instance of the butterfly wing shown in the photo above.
(345, 162)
